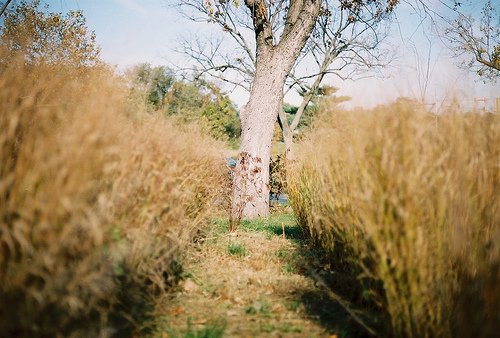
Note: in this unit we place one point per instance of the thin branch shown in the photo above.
(4, 7)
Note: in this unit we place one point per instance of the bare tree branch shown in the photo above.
(345, 42)
(4, 7)
(478, 38)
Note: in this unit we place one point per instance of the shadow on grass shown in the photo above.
(336, 279)
(333, 283)
(277, 224)
(311, 262)
(330, 314)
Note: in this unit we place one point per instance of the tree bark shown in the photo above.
(251, 185)
(273, 63)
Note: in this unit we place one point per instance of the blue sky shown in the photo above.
(133, 31)
(130, 31)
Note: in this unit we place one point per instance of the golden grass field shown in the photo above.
(99, 197)
(95, 202)
(408, 203)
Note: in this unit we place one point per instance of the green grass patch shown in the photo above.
(259, 307)
(273, 225)
(289, 328)
(236, 249)
(289, 267)
(214, 329)
(293, 305)
(283, 253)
(267, 327)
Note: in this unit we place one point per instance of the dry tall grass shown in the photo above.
(410, 203)
(93, 205)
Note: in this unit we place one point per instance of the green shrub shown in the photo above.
(235, 249)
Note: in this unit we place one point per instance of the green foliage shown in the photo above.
(290, 109)
(214, 329)
(51, 38)
(196, 102)
(152, 83)
(204, 103)
(259, 307)
(235, 249)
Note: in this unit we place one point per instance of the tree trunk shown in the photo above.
(273, 63)
(251, 184)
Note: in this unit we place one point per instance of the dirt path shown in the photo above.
(252, 284)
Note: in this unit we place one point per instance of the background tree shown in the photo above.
(324, 95)
(477, 37)
(203, 103)
(280, 31)
(32, 31)
(200, 102)
(151, 83)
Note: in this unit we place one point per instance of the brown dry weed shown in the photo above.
(94, 204)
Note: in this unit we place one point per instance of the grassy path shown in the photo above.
(253, 283)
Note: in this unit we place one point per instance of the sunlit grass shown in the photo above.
(412, 208)
(94, 204)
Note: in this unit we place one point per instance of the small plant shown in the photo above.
(267, 327)
(214, 329)
(289, 328)
(235, 249)
(259, 307)
(283, 253)
(293, 305)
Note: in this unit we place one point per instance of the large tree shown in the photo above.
(281, 30)
(345, 43)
